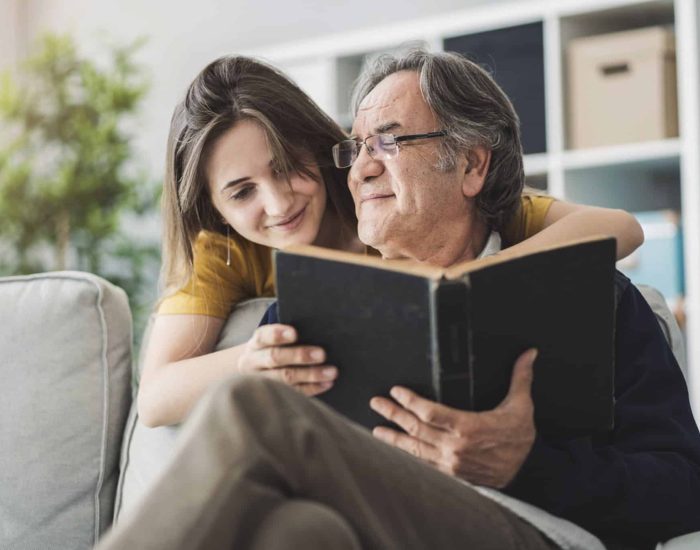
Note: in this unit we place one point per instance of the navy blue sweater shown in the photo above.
(640, 483)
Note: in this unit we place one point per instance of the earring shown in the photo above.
(228, 246)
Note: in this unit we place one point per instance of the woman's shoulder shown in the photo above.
(232, 258)
(211, 244)
(528, 219)
(533, 202)
(226, 270)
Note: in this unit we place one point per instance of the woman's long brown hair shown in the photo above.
(229, 90)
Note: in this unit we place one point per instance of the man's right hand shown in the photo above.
(270, 352)
(487, 448)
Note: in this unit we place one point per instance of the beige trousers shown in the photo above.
(261, 466)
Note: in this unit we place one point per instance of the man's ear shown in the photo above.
(478, 162)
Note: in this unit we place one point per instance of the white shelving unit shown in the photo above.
(637, 176)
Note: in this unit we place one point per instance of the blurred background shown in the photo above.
(83, 156)
(607, 92)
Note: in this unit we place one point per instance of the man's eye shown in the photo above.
(242, 194)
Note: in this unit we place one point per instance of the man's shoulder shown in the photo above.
(622, 283)
(631, 309)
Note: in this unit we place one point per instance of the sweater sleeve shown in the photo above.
(528, 220)
(640, 483)
(226, 271)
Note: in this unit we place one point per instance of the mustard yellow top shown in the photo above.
(215, 288)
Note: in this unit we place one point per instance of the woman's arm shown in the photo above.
(179, 364)
(566, 221)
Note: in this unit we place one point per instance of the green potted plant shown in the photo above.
(69, 184)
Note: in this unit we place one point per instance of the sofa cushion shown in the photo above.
(147, 450)
(66, 391)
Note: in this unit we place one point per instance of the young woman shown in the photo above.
(250, 168)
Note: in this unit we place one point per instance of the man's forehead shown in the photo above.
(396, 99)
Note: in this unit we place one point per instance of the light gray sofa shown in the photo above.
(65, 398)
(145, 449)
(66, 414)
(66, 378)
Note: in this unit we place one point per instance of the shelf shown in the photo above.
(536, 165)
(585, 20)
(612, 155)
(583, 106)
(638, 177)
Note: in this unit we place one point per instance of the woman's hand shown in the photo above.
(269, 352)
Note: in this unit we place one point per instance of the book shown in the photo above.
(454, 334)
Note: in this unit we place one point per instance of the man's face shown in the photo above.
(406, 206)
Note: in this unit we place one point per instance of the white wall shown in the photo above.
(12, 33)
(185, 35)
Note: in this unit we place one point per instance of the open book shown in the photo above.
(453, 335)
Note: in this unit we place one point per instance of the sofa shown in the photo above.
(72, 453)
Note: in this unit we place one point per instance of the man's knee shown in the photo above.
(305, 524)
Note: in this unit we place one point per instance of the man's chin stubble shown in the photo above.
(376, 238)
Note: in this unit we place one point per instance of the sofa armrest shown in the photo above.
(65, 394)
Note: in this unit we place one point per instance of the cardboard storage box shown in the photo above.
(622, 87)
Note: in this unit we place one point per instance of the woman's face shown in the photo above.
(254, 199)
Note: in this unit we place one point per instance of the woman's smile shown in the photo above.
(291, 222)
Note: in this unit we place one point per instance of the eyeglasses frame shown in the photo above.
(397, 140)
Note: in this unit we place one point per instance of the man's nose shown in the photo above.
(365, 168)
(279, 199)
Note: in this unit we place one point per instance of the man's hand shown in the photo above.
(269, 352)
(486, 448)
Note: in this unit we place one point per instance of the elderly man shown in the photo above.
(435, 167)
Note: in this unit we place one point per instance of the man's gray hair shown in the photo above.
(473, 110)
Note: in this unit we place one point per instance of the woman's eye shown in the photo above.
(242, 194)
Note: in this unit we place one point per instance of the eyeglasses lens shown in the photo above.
(379, 147)
(345, 153)
(383, 146)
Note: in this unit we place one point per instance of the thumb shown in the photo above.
(521, 379)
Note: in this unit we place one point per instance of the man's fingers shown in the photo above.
(430, 412)
(521, 379)
(410, 423)
(412, 445)
(274, 335)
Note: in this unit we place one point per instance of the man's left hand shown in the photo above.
(486, 448)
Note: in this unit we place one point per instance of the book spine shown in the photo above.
(452, 373)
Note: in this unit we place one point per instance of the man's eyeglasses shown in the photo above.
(379, 147)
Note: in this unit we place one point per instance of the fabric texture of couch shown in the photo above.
(145, 450)
(66, 369)
(66, 392)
